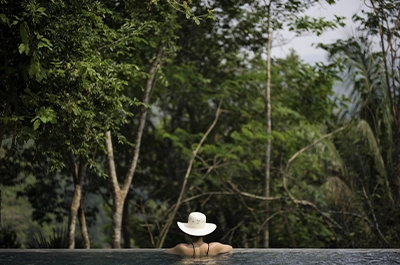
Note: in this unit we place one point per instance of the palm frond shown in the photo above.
(59, 239)
(364, 129)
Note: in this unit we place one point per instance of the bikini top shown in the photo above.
(194, 251)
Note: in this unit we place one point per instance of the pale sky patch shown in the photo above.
(305, 45)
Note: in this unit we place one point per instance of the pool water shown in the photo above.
(237, 257)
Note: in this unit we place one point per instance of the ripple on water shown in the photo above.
(238, 257)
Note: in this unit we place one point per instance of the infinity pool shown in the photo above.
(237, 257)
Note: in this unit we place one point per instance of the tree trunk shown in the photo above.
(78, 175)
(117, 221)
(84, 230)
(125, 224)
(119, 194)
(268, 130)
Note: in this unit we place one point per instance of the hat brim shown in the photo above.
(207, 229)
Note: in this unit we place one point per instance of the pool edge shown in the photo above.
(235, 250)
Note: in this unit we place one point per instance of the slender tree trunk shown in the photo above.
(125, 224)
(171, 217)
(79, 175)
(117, 221)
(119, 194)
(268, 130)
(245, 242)
(83, 226)
(116, 191)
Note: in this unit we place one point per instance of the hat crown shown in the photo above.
(197, 220)
(197, 225)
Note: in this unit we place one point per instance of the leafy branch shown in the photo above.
(171, 217)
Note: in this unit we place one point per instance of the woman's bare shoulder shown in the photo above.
(218, 247)
(180, 249)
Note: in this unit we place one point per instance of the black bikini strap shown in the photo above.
(194, 251)
(208, 248)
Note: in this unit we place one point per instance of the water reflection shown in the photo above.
(311, 256)
(220, 260)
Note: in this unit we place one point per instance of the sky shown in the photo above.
(304, 44)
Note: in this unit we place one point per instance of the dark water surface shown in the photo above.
(238, 257)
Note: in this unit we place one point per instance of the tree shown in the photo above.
(268, 123)
(277, 13)
(87, 102)
(119, 194)
(199, 81)
(370, 150)
(163, 26)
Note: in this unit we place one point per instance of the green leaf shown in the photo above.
(24, 33)
(4, 18)
(21, 48)
(44, 43)
(41, 10)
(44, 115)
(34, 68)
(36, 124)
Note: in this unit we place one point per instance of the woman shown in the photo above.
(196, 228)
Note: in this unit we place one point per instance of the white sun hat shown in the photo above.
(197, 225)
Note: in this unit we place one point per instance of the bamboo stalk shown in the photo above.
(268, 129)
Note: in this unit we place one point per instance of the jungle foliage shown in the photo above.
(143, 111)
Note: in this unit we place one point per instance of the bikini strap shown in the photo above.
(194, 251)
(208, 248)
